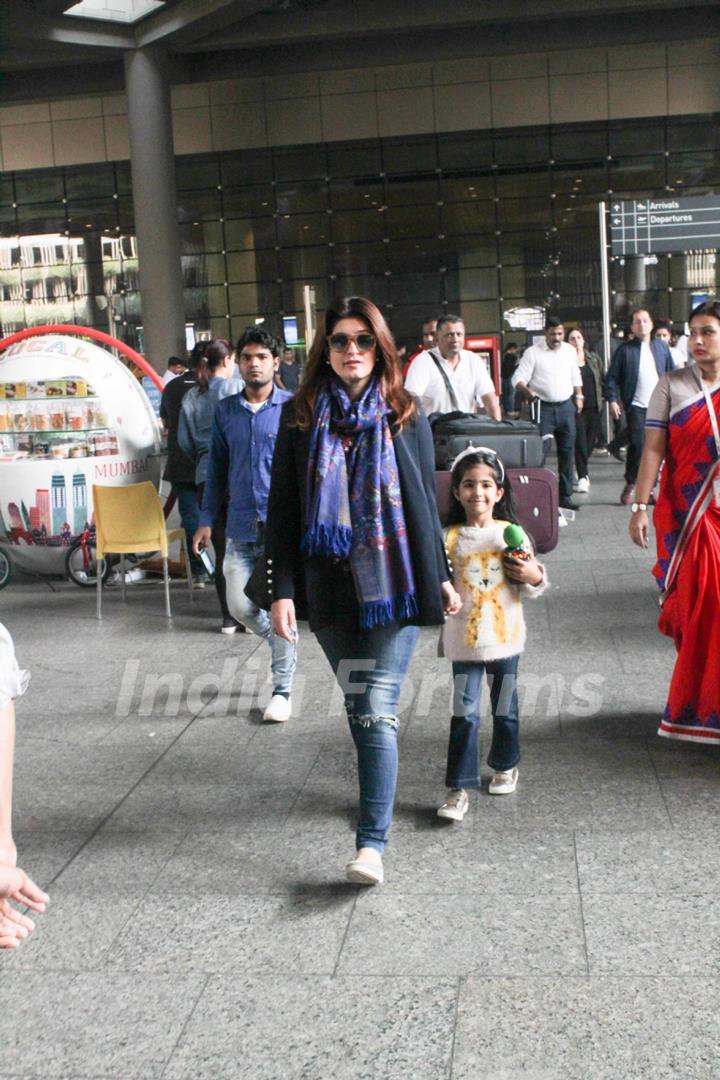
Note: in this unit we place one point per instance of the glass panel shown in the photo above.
(630, 174)
(409, 155)
(355, 194)
(196, 172)
(292, 294)
(96, 214)
(303, 229)
(479, 249)
(300, 164)
(699, 133)
(523, 182)
(241, 266)
(693, 170)
(406, 191)
(413, 288)
(525, 213)
(216, 299)
(582, 143)
(423, 254)
(89, 182)
(42, 218)
(406, 322)
(403, 222)
(39, 187)
(214, 268)
(301, 197)
(357, 225)
(466, 187)
(359, 258)
(465, 151)
(354, 160)
(374, 286)
(196, 205)
(630, 138)
(304, 262)
(471, 283)
(123, 180)
(581, 178)
(201, 236)
(246, 167)
(479, 316)
(248, 233)
(242, 202)
(527, 145)
(244, 297)
(469, 217)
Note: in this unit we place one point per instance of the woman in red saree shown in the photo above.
(683, 429)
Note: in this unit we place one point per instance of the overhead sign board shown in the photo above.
(647, 226)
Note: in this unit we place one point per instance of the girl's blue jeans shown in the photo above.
(463, 761)
(370, 666)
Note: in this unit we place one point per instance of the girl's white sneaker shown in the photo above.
(504, 783)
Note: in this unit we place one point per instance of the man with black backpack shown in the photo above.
(448, 378)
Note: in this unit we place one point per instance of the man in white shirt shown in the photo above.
(548, 373)
(449, 378)
(635, 369)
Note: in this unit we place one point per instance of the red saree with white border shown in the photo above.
(687, 527)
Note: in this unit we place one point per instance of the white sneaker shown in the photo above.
(278, 710)
(455, 806)
(366, 868)
(583, 485)
(504, 783)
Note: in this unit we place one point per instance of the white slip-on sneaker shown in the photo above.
(366, 868)
(455, 806)
(504, 783)
(583, 485)
(278, 710)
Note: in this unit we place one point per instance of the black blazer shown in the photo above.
(622, 377)
(329, 594)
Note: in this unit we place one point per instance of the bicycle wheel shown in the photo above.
(5, 569)
(82, 567)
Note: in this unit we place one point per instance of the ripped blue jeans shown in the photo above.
(370, 666)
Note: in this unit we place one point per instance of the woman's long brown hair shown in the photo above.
(387, 367)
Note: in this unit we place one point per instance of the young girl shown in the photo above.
(488, 634)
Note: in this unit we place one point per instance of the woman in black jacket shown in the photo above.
(352, 507)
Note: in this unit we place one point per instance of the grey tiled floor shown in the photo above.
(200, 926)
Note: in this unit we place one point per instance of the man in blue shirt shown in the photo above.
(242, 444)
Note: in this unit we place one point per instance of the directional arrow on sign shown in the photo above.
(641, 206)
(617, 221)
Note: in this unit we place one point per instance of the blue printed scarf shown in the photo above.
(355, 505)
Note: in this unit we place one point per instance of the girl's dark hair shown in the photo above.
(214, 353)
(387, 367)
(710, 307)
(504, 509)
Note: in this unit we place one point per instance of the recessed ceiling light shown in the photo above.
(122, 11)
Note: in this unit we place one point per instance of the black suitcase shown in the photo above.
(516, 442)
(535, 494)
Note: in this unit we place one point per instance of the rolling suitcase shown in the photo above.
(516, 442)
(535, 493)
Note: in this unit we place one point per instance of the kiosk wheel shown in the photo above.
(82, 564)
(5, 569)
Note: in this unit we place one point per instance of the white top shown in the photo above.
(552, 374)
(490, 624)
(647, 376)
(469, 379)
(13, 681)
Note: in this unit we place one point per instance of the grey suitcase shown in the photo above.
(516, 442)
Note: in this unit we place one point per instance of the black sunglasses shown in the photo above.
(363, 342)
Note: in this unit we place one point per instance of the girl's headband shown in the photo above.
(486, 450)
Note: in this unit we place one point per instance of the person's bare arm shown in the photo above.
(492, 405)
(650, 462)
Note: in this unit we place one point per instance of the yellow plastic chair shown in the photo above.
(129, 520)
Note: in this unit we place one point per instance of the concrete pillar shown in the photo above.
(152, 164)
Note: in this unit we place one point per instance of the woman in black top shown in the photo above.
(352, 505)
(587, 422)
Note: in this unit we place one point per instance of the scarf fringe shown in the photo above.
(330, 541)
(383, 612)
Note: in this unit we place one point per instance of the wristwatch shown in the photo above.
(638, 506)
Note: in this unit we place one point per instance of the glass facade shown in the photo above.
(487, 224)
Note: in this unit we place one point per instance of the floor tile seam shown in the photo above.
(188, 1019)
(580, 902)
(346, 934)
(653, 765)
(301, 788)
(456, 1014)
